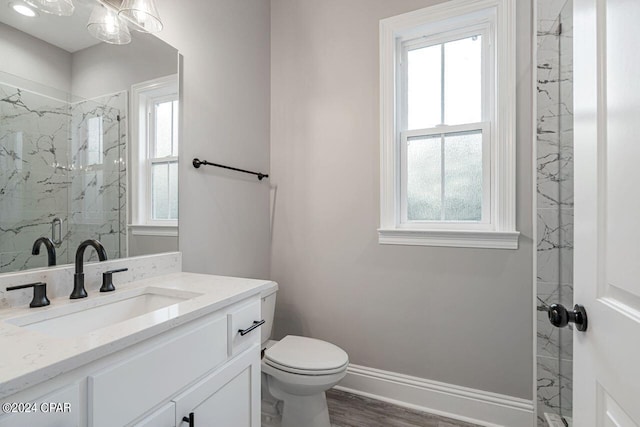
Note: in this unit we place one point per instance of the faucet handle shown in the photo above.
(107, 280)
(39, 293)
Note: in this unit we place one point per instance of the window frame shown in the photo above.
(449, 21)
(483, 224)
(144, 97)
(152, 102)
(402, 100)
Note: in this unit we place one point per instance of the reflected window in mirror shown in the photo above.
(156, 166)
(163, 162)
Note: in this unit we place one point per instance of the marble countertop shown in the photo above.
(29, 357)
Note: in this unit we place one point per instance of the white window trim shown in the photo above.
(153, 230)
(140, 187)
(500, 232)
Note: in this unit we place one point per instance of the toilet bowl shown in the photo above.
(296, 372)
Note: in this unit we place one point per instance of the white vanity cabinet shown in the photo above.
(164, 417)
(229, 397)
(199, 367)
(122, 392)
(42, 414)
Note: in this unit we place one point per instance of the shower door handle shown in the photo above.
(56, 223)
(561, 317)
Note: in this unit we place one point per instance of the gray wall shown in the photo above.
(30, 58)
(146, 245)
(104, 68)
(460, 316)
(91, 72)
(224, 216)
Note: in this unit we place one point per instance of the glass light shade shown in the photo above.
(54, 7)
(105, 25)
(143, 13)
(23, 10)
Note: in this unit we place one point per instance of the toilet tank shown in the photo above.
(268, 297)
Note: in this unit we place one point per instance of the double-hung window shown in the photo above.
(448, 120)
(154, 156)
(162, 164)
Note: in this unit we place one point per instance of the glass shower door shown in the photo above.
(554, 348)
(97, 205)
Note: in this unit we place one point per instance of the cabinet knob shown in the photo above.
(190, 420)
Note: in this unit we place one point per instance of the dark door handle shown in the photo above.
(561, 317)
(190, 420)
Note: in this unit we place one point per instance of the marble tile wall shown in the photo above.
(554, 204)
(97, 204)
(61, 160)
(34, 178)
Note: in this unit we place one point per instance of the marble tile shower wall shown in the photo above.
(50, 155)
(554, 204)
(34, 181)
(97, 204)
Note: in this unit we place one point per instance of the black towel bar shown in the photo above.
(197, 163)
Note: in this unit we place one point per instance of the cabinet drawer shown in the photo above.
(163, 417)
(243, 318)
(122, 393)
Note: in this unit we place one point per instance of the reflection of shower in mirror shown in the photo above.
(65, 140)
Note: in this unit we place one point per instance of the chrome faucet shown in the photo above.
(78, 278)
(51, 249)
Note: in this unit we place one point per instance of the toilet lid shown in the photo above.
(300, 354)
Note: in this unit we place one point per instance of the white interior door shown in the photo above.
(607, 212)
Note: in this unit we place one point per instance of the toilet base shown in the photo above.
(308, 411)
(270, 413)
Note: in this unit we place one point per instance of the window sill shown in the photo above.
(154, 230)
(450, 238)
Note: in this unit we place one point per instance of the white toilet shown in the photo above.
(296, 371)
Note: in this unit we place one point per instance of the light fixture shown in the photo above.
(143, 14)
(105, 25)
(54, 7)
(23, 10)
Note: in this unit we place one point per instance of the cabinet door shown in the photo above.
(229, 397)
(59, 409)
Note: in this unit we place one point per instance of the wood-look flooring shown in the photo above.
(350, 410)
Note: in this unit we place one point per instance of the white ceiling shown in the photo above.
(67, 32)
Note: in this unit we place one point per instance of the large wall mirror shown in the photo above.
(89, 136)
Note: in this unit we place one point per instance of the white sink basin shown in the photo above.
(89, 315)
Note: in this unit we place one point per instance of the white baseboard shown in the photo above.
(461, 403)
